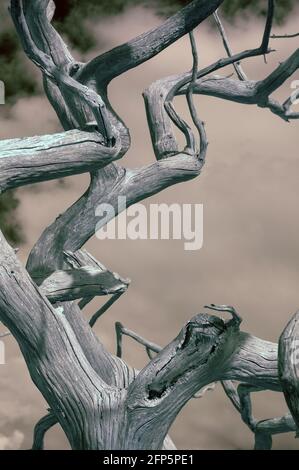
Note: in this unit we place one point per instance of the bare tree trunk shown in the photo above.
(100, 401)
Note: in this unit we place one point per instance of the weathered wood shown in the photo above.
(78, 223)
(67, 84)
(99, 400)
(263, 430)
(254, 354)
(288, 364)
(122, 58)
(40, 430)
(48, 343)
(193, 360)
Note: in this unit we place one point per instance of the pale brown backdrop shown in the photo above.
(249, 189)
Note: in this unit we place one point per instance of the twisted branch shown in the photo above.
(207, 349)
(59, 76)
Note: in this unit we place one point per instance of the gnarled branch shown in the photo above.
(85, 386)
(129, 55)
(288, 365)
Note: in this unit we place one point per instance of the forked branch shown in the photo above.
(85, 386)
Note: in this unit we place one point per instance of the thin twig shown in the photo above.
(237, 65)
(263, 430)
(4, 335)
(182, 125)
(104, 308)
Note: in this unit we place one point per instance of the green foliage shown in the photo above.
(8, 222)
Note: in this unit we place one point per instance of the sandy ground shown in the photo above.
(249, 189)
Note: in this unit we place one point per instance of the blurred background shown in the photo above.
(249, 189)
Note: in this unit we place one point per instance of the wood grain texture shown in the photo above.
(289, 366)
(33, 159)
(99, 400)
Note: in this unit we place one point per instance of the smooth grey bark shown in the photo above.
(99, 400)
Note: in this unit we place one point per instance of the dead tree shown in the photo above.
(100, 401)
